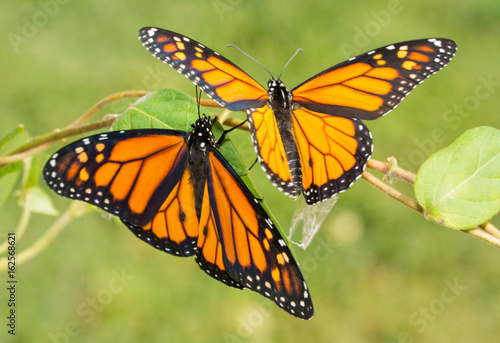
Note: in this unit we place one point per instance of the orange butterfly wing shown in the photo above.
(333, 152)
(372, 84)
(210, 255)
(126, 173)
(174, 228)
(221, 79)
(129, 174)
(333, 145)
(270, 149)
(238, 237)
(364, 87)
(145, 177)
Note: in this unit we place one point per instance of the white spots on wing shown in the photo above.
(152, 31)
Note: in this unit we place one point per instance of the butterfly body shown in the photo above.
(200, 142)
(280, 102)
(175, 191)
(310, 139)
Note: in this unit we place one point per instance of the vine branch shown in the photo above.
(75, 210)
(41, 142)
(106, 101)
(486, 231)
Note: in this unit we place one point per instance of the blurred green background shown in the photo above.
(377, 271)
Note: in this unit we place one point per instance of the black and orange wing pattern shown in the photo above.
(129, 174)
(333, 144)
(151, 179)
(174, 228)
(270, 149)
(363, 87)
(372, 84)
(221, 79)
(126, 173)
(333, 152)
(236, 234)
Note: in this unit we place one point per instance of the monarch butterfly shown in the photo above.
(175, 191)
(309, 139)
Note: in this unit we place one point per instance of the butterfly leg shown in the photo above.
(254, 162)
(221, 139)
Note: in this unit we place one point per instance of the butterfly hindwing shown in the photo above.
(221, 79)
(270, 149)
(372, 84)
(333, 152)
(174, 228)
(253, 252)
(210, 256)
(126, 173)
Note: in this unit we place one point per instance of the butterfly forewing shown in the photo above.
(126, 173)
(254, 253)
(221, 79)
(372, 84)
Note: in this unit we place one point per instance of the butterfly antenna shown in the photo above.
(290, 60)
(253, 59)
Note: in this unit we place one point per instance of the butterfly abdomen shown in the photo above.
(292, 154)
(280, 101)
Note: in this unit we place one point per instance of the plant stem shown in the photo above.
(491, 229)
(485, 236)
(235, 122)
(49, 235)
(487, 231)
(22, 224)
(392, 192)
(392, 170)
(41, 142)
(107, 100)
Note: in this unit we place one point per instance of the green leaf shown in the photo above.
(34, 172)
(10, 173)
(162, 109)
(8, 178)
(41, 202)
(459, 186)
(173, 109)
(13, 139)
